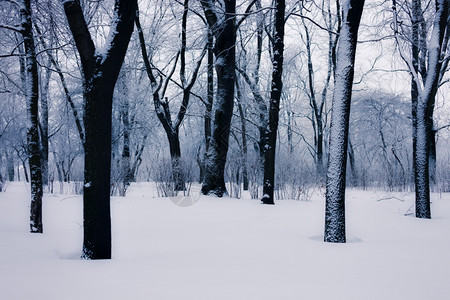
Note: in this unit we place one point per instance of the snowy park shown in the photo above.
(224, 248)
(224, 149)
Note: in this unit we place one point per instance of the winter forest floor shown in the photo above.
(227, 249)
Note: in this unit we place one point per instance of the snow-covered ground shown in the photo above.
(227, 249)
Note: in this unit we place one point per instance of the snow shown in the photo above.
(223, 248)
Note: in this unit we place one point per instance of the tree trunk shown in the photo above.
(225, 50)
(125, 165)
(32, 99)
(100, 71)
(10, 165)
(44, 125)
(351, 157)
(244, 136)
(425, 102)
(175, 156)
(337, 162)
(274, 106)
(210, 100)
(432, 153)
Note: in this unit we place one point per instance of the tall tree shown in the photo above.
(100, 73)
(317, 99)
(426, 68)
(337, 160)
(162, 108)
(31, 85)
(222, 23)
(274, 104)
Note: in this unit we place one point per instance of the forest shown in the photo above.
(266, 101)
(329, 112)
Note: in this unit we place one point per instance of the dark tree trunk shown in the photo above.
(10, 165)
(274, 106)
(125, 165)
(224, 31)
(100, 73)
(351, 157)
(32, 99)
(432, 152)
(210, 99)
(244, 136)
(137, 158)
(423, 96)
(337, 162)
(97, 220)
(175, 155)
(25, 170)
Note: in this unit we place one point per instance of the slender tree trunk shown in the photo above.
(125, 167)
(210, 99)
(10, 165)
(138, 158)
(432, 153)
(25, 170)
(44, 125)
(244, 136)
(351, 157)
(337, 162)
(274, 106)
(32, 99)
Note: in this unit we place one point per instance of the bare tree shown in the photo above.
(162, 108)
(221, 22)
(426, 65)
(31, 85)
(317, 98)
(274, 104)
(337, 160)
(100, 72)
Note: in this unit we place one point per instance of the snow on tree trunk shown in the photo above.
(224, 30)
(100, 71)
(421, 171)
(335, 191)
(44, 125)
(274, 105)
(32, 98)
(425, 104)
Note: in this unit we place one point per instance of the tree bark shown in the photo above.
(100, 72)
(224, 31)
(425, 101)
(32, 99)
(44, 125)
(210, 100)
(337, 161)
(244, 136)
(274, 105)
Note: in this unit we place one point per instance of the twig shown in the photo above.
(387, 198)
